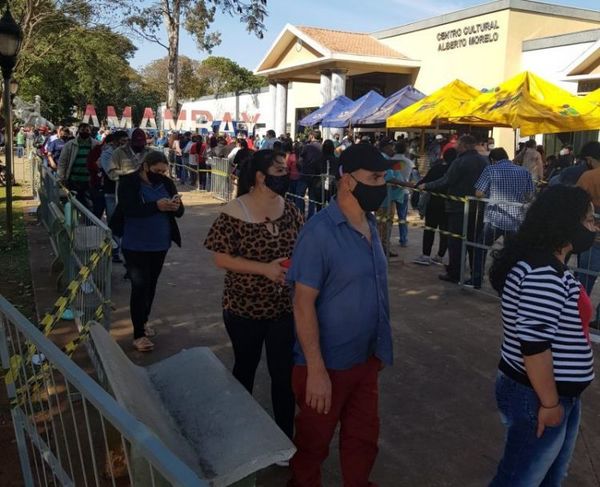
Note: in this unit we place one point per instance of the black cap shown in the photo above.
(591, 149)
(363, 156)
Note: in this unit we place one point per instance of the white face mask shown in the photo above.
(564, 152)
(491, 146)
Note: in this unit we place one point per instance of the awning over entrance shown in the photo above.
(343, 63)
(301, 53)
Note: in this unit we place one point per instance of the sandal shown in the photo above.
(149, 331)
(143, 344)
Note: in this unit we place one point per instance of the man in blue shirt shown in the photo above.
(342, 320)
(512, 185)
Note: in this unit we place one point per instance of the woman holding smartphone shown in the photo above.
(145, 218)
(252, 239)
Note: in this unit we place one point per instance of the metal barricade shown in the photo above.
(220, 183)
(485, 224)
(77, 238)
(70, 431)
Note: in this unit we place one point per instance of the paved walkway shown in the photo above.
(439, 425)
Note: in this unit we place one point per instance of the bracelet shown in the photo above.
(550, 407)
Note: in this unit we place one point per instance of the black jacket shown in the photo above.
(132, 205)
(460, 178)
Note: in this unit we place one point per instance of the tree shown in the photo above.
(88, 65)
(222, 75)
(196, 16)
(189, 84)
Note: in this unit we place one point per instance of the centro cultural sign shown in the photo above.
(469, 35)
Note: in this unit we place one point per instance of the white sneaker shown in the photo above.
(422, 260)
(437, 260)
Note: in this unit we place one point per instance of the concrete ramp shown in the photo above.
(197, 409)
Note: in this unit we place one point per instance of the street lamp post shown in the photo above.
(11, 36)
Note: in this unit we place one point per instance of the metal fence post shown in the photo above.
(17, 424)
(463, 252)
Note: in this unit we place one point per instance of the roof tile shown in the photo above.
(350, 42)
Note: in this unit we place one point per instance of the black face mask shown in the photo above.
(154, 177)
(369, 197)
(582, 240)
(278, 184)
(84, 135)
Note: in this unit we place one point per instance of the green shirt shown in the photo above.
(20, 138)
(79, 171)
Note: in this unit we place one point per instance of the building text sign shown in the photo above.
(469, 35)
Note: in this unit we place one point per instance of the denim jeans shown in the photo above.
(402, 209)
(589, 260)
(529, 461)
(20, 151)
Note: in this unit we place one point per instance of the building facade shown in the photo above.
(483, 46)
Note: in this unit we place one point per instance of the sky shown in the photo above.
(350, 15)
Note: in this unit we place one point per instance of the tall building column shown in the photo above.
(325, 89)
(325, 86)
(338, 87)
(281, 108)
(273, 108)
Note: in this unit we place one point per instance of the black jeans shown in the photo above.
(455, 226)
(82, 193)
(144, 269)
(435, 218)
(247, 337)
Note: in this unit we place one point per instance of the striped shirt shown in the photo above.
(540, 311)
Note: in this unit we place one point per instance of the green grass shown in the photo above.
(15, 273)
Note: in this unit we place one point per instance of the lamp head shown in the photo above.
(11, 37)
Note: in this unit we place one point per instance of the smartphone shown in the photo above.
(176, 197)
(287, 263)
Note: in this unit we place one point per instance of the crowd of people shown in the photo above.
(309, 282)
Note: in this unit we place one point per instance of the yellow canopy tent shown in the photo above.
(441, 104)
(593, 97)
(531, 104)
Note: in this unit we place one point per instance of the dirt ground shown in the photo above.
(439, 424)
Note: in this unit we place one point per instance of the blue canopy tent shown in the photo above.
(362, 107)
(332, 107)
(394, 103)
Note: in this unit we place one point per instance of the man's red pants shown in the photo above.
(354, 404)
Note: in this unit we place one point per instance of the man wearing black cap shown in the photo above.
(343, 330)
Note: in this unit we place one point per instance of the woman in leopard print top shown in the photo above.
(251, 239)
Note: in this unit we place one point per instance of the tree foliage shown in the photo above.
(71, 61)
(222, 75)
(146, 19)
(189, 84)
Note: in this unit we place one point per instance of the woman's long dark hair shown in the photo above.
(549, 225)
(260, 161)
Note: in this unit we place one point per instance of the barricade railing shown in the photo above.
(69, 430)
(82, 245)
(486, 223)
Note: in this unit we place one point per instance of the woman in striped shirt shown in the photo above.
(546, 358)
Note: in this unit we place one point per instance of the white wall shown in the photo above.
(201, 113)
(551, 63)
(252, 108)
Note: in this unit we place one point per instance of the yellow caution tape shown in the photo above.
(62, 303)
